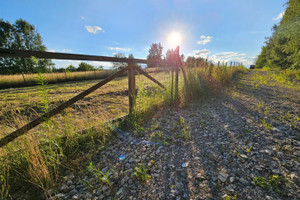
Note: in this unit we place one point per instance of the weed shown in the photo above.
(156, 136)
(103, 177)
(275, 182)
(185, 134)
(184, 129)
(152, 136)
(228, 197)
(261, 182)
(159, 134)
(181, 123)
(165, 143)
(267, 125)
(4, 185)
(249, 149)
(43, 92)
(293, 120)
(141, 174)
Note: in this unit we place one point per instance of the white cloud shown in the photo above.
(60, 51)
(66, 63)
(280, 16)
(118, 49)
(232, 56)
(66, 50)
(204, 39)
(201, 53)
(82, 17)
(93, 29)
(224, 57)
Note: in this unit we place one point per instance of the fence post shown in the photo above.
(131, 88)
(218, 63)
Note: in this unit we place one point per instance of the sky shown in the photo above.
(222, 30)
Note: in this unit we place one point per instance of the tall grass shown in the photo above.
(208, 80)
(34, 162)
(7, 81)
(276, 77)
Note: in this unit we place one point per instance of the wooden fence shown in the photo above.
(131, 68)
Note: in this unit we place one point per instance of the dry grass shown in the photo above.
(7, 81)
(21, 105)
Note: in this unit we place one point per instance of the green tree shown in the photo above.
(71, 68)
(100, 68)
(21, 36)
(119, 65)
(282, 49)
(83, 66)
(130, 56)
(154, 59)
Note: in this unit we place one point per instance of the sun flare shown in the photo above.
(174, 39)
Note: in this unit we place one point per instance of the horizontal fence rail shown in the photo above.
(131, 84)
(65, 56)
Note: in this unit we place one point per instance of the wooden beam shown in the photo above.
(12, 136)
(148, 76)
(131, 88)
(64, 56)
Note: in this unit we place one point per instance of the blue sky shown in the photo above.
(220, 29)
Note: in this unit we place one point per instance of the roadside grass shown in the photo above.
(19, 80)
(272, 77)
(281, 84)
(35, 161)
(208, 80)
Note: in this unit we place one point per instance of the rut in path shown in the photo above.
(244, 143)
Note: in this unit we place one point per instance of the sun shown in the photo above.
(174, 39)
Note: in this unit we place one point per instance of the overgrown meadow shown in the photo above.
(35, 161)
(21, 80)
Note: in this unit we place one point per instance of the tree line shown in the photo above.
(21, 36)
(282, 49)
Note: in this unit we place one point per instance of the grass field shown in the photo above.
(20, 105)
(19, 80)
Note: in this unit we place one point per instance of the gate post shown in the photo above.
(131, 88)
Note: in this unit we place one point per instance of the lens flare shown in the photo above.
(174, 39)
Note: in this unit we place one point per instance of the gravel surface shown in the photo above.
(241, 145)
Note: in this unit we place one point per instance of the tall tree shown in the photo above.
(83, 66)
(154, 59)
(282, 49)
(119, 65)
(71, 68)
(21, 36)
(130, 56)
